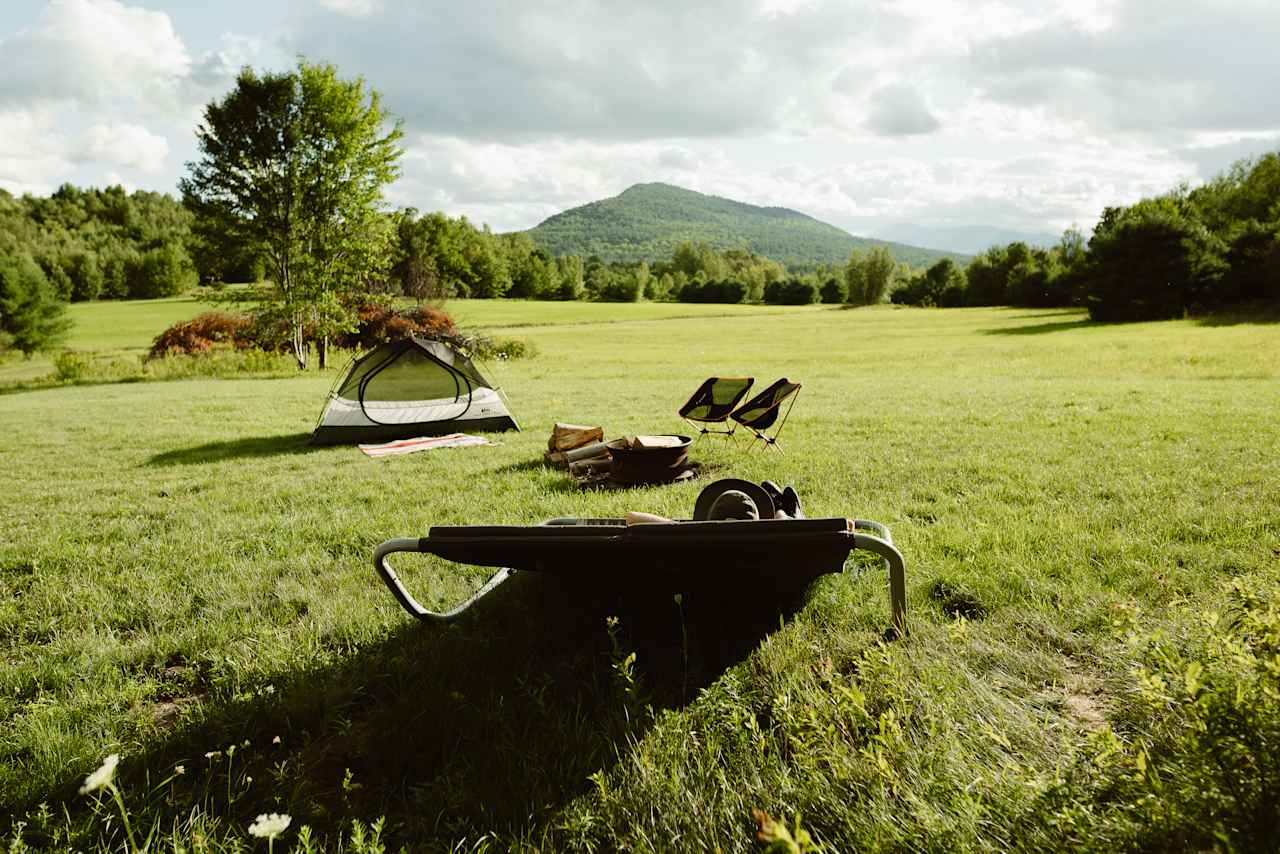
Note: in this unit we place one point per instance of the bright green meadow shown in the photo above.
(1089, 513)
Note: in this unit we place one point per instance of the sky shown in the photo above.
(1029, 116)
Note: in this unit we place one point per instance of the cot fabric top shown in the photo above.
(612, 545)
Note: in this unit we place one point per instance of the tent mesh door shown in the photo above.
(413, 387)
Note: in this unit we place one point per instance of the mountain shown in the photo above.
(648, 221)
(965, 238)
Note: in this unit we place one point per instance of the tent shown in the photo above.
(406, 388)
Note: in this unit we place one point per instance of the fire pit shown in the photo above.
(649, 459)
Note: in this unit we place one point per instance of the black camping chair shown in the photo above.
(714, 401)
(773, 556)
(761, 412)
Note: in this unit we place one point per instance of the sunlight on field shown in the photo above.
(181, 572)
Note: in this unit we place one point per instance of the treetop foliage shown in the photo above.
(96, 243)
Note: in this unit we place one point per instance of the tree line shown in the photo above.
(1185, 252)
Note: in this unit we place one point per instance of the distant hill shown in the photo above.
(966, 238)
(648, 221)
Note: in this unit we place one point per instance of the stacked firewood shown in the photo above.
(580, 449)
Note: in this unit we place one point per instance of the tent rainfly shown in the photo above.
(407, 388)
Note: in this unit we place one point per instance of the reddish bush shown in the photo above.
(377, 322)
(202, 333)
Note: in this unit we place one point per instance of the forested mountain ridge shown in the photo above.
(646, 222)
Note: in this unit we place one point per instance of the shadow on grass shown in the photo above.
(493, 723)
(1262, 314)
(257, 446)
(1049, 312)
(536, 464)
(1040, 328)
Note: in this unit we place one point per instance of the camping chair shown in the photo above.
(761, 412)
(713, 401)
(773, 557)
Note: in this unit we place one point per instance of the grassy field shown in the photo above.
(187, 584)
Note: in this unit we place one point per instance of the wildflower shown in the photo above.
(269, 825)
(679, 599)
(213, 754)
(275, 740)
(179, 769)
(103, 776)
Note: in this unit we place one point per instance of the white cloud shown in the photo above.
(898, 109)
(1191, 66)
(356, 8)
(93, 87)
(94, 53)
(128, 145)
(601, 70)
(31, 158)
(1026, 114)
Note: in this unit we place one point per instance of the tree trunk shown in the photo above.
(299, 345)
(322, 349)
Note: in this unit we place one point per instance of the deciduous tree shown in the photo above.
(293, 166)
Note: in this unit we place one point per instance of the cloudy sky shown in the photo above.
(1020, 115)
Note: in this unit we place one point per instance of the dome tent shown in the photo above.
(407, 388)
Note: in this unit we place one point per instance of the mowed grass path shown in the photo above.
(180, 573)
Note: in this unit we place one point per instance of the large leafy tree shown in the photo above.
(293, 166)
(1151, 262)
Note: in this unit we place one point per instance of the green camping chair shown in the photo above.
(761, 412)
(714, 401)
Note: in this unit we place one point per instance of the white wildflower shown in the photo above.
(269, 825)
(103, 776)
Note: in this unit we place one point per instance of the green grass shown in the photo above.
(179, 573)
(482, 314)
(128, 324)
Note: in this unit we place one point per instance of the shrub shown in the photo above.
(621, 287)
(717, 292)
(203, 333)
(1214, 722)
(943, 284)
(501, 349)
(834, 291)
(69, 366)
(791, 292)
(1192, 765)
(162, 272)
(377, 322)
